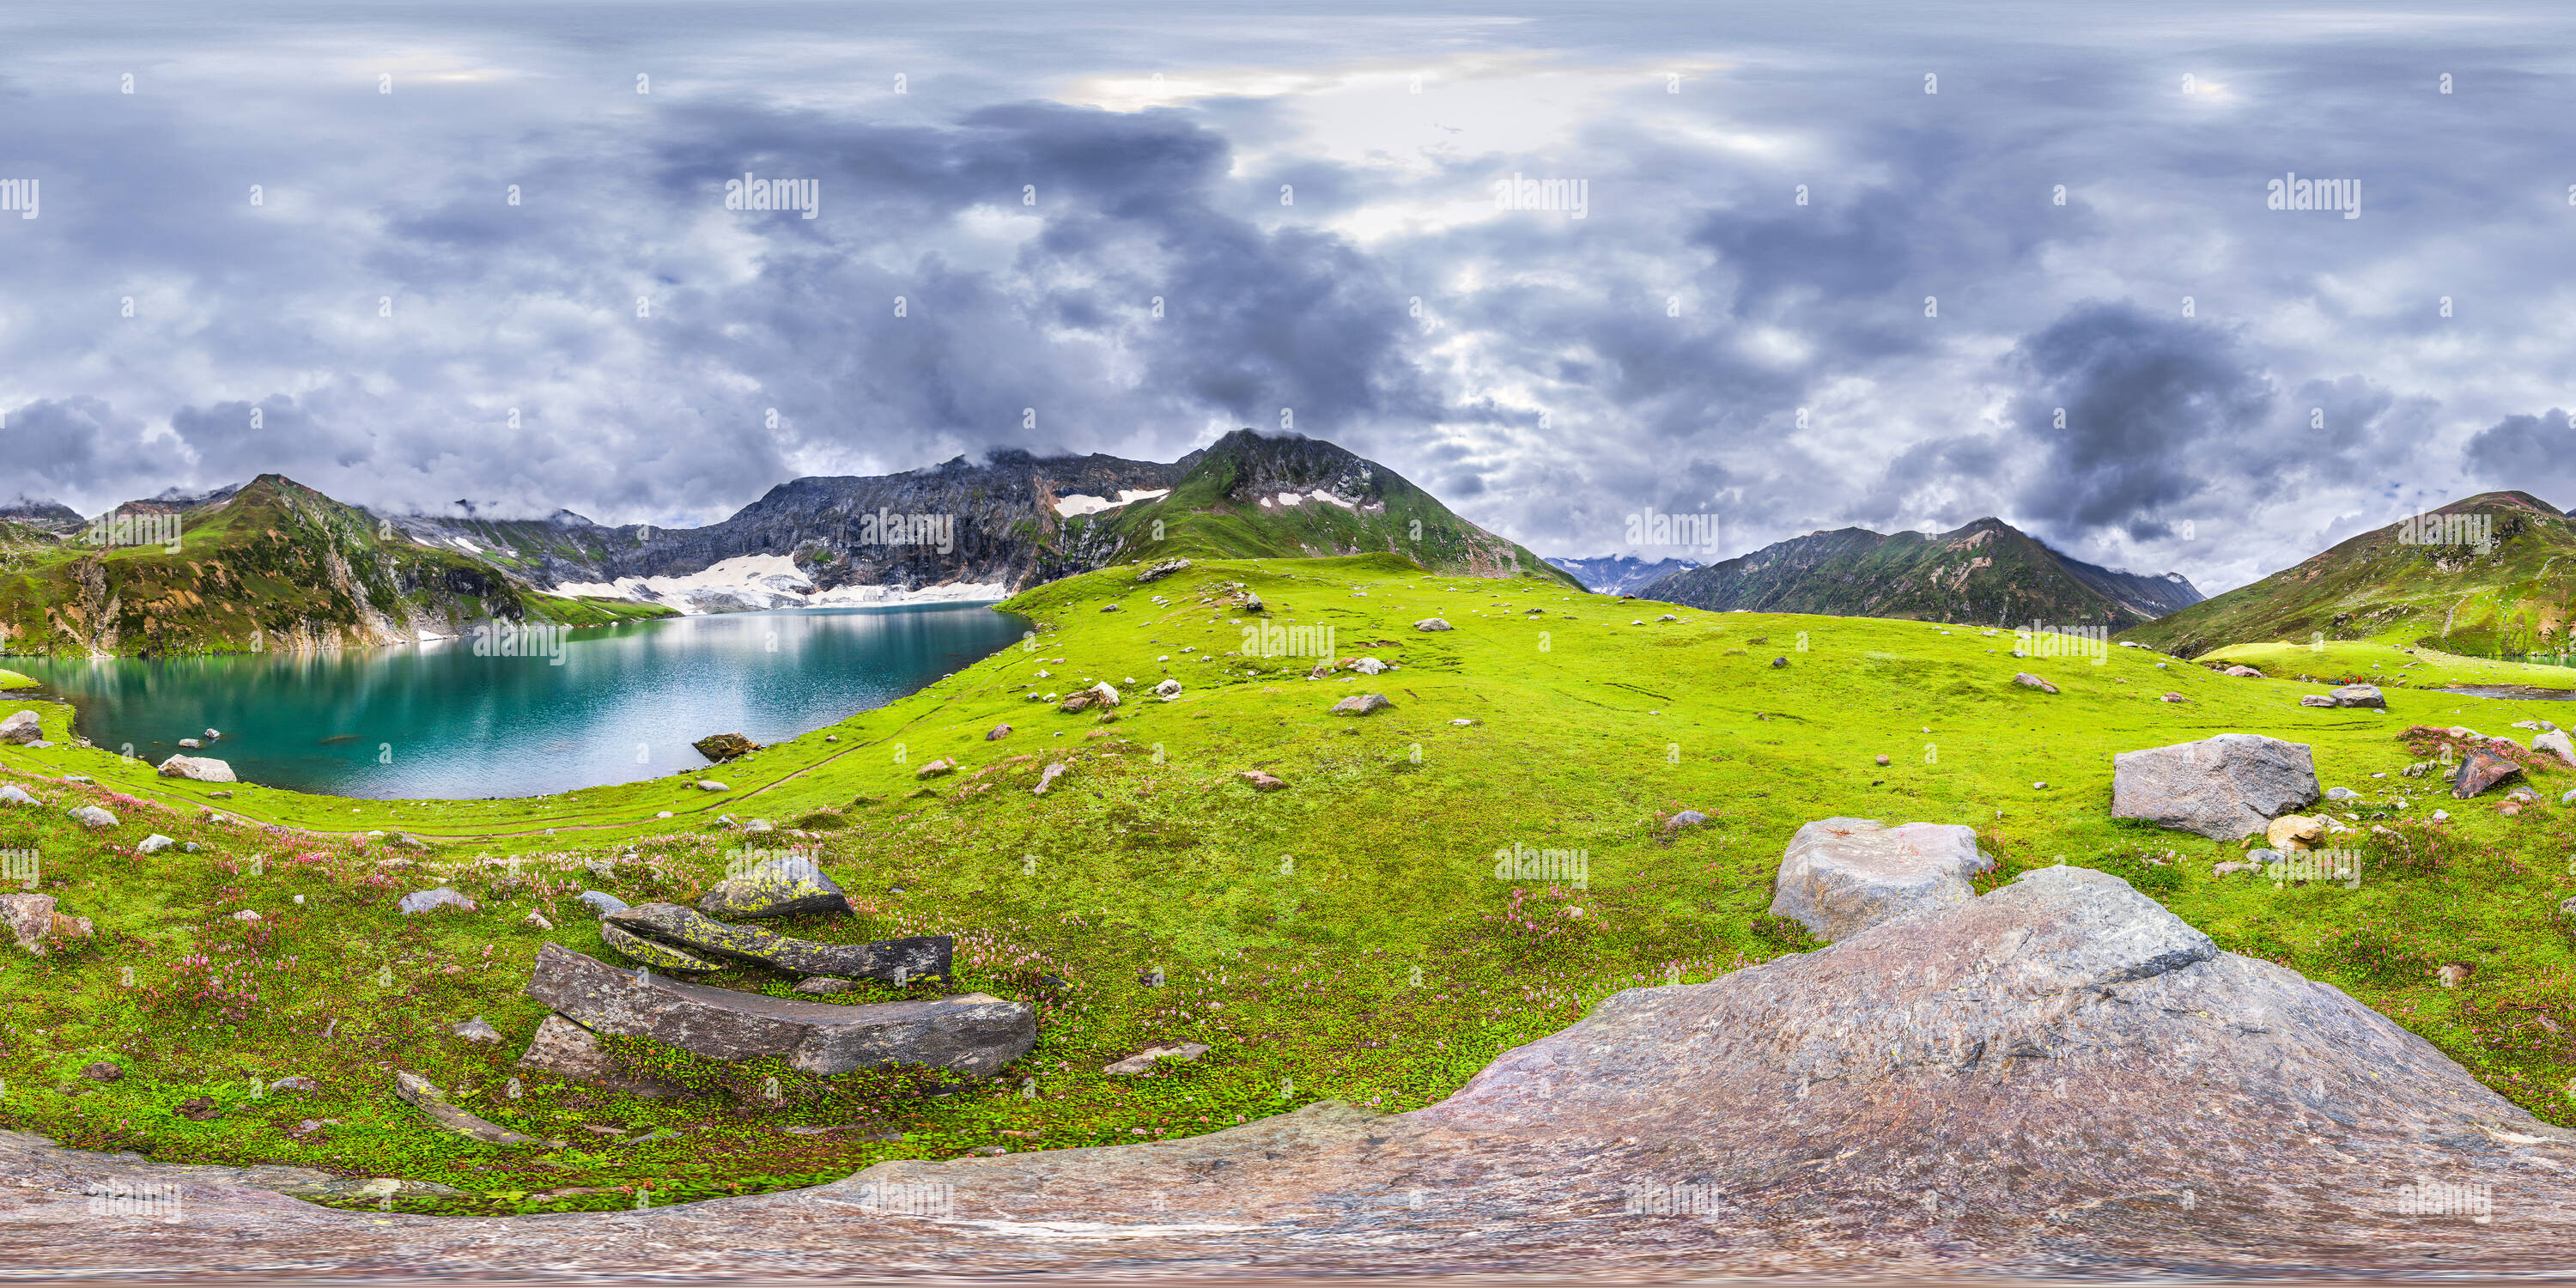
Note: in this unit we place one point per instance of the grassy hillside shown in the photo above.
(2510, 599)
(1987, 573)
(1251, 496)
(1342, 938)
(274, 566)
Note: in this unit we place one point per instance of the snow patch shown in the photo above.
(1074, 503)
(750, 583)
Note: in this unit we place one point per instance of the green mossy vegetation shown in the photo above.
(1343, 938)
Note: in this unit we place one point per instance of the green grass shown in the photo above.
(1344, 938)
(12, 680)
(2342, 661)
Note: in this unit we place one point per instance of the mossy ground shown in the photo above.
(1345, 937)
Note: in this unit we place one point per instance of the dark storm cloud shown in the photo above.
(2532, 454)
(2147, 402)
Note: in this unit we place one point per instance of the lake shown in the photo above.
(525, 715)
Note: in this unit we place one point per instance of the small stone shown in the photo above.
(602, 904)
(724, 746)
(2441, 816)
(91, 816)
(936, 768)
(101, 1071)
(1432, 624)
(2029, 681)
(1686, 819)
(426, 1096)
(475, 1030)
(2171, 697)
(2231, 869)
(711, 785)
(998, 733)
(1168, 690)
(1143, 1061)
(823, 985)
(14, 795)
(2244, 673)
(1260, 781)
(2342, 794)
(246, 914)
(420, 901)
(23, 728)
(1882, 758)
(2039, 787)
(1462, 723)
(1779, 662)
(1361, 704)
(2293, 832)
(202, 769)
(201, 1109)
(2315, 700)
(154, 844)
(191, 743)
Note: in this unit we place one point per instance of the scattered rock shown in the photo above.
(823, 985)
(600, 903)
(1361, 704)
(1168, 690)
(1688, 818)
(420, 901)
(1778, 662)
(974, 1033)
(102, 1071)
(153, 844)
(23, 728)
(2221, 788)
(1161, 570)
(1368, 666)
(936, 768)
(637, 948)
(2315, 700)
(2294, 832)
(2171, 697)
(711, 785)
(999, 732)
(1048, 775)
(1260, 781)
(567, 1050)
(2342, 794)
(2454, 974)
(2556, 744)
(900, 960)
(775, 888)
(1109, 608)
(33, 920)
(2244, 673)
(199, 1109)
(201, 769)
(427, 1097)
(2230, 869)
(191, 743)
(1882, 758)
(1143, 1061)
(2479, 770)
(722, 747)
(1432, 624)
(15, 795)
(2359, 695)
(2441, 816)
(475, 1030)
(91, 816)
(1842, 876)
(2028, 681)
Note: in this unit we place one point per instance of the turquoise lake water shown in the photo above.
(601, 705)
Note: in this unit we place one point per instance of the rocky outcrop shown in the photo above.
(2058, 1079)
(1842, 876)
(566, 1050)
(972, 1033)
(774, 888)
(21, 728)
(894, 960)
(2359, 695)
(1361, 704)
(2222, 788)
(721, 747)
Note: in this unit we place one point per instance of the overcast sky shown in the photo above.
(1312, 197)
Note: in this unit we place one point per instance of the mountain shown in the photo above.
(2510, 595)
(994, 528)
(1987, 573)
(45, 515)
(269, 565)
(273, 564)
(1621, 574)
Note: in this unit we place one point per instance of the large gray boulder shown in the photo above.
(22, 728)
(899, 960)
(973, 1033)
(774, 888)
(202, 769)
(1842, 876)
(2058, 1080)
(2222, 788)
(2359, 695)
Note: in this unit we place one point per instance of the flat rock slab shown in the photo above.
(1842, 876)
(2359, 695)
(203, 769)
(566, 1050)
(894, 960)
(2480, 770)
(776, 888)
(431, 1100)
(2223, 788)
(1887, 1107)
(973, 1032)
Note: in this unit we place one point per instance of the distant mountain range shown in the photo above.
(273, 564)
(1620, 574)
(1987, 573)
(2488, 574)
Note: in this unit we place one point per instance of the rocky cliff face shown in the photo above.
(2059, 1078)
